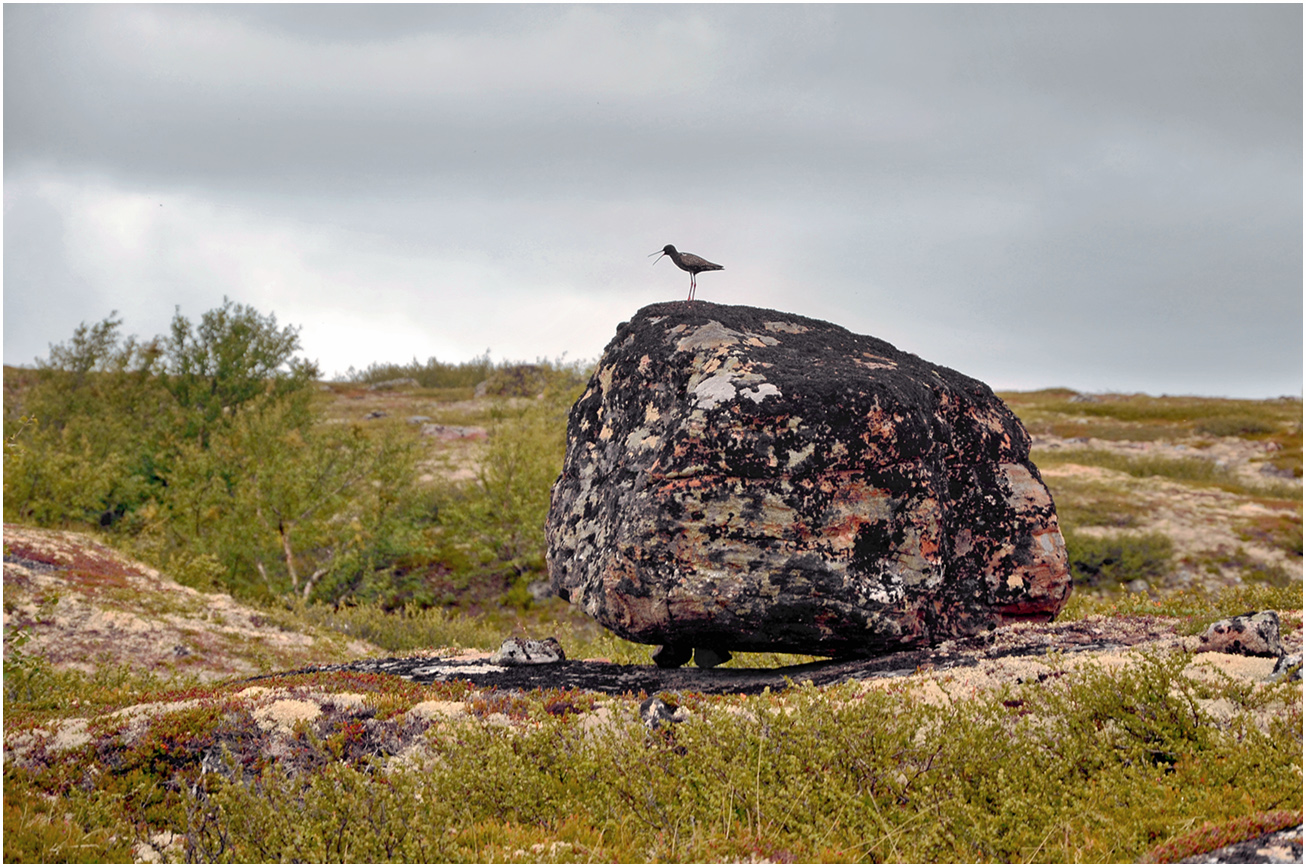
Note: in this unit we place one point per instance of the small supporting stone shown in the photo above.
(709, 657)
(655, 712)
(672, 655)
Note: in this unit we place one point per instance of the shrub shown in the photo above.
(1108, 561)
(431, 374)
(1085, 768)
(496, 524)
(204, 445)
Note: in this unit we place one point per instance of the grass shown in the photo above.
(1196, 608)
(1093, 503)
(1189, 471)
(1143, 418)
(1095, 765)
(413, 629)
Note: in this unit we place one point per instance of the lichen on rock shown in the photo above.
(745, 479)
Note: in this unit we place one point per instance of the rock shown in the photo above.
(374, 414)
(1008, 655)
(744, 479)
(1250, 634)
(654, 712)
(528, 651)
(1287, 668)
(1276, 847)
(162, 846)
(672, 655)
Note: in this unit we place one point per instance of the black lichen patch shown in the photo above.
(718, 446)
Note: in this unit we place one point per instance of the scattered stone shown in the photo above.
(418, 419)
(706, 657)
(745, 479)
(1083, 398)
(672, 655)
(163, 846)
(374, 414)
(539, 590)
(1287, 668)
(529, 651)
(654, 712)
(1251, 634)
(454, 432)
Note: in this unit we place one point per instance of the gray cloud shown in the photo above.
(1096, 196)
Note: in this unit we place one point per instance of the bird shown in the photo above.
(686, 262)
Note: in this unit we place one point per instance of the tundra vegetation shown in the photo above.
(217, 455)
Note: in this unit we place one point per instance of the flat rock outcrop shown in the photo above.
(746, 479)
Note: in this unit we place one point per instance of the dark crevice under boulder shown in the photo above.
(746, 479)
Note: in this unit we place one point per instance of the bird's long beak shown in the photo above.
(659, 257)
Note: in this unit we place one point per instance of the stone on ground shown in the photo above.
(1251, 634)
(529, 651)
(749, 480)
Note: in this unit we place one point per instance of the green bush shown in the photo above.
(431, 374)
(1108, 561)
(495, 525)
(202, 449)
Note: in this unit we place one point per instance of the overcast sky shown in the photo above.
(1099, 197)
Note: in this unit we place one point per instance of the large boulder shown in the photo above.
(745, 479)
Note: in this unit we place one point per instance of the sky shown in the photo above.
(1105, 198)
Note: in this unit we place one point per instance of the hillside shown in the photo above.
(148, 719)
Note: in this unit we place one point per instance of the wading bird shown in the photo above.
(686, 262)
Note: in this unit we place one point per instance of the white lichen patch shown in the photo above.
(761, 392)
(431, 710)
(727, 383)
(1215, 667)
(713, 335)
(284, 713)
